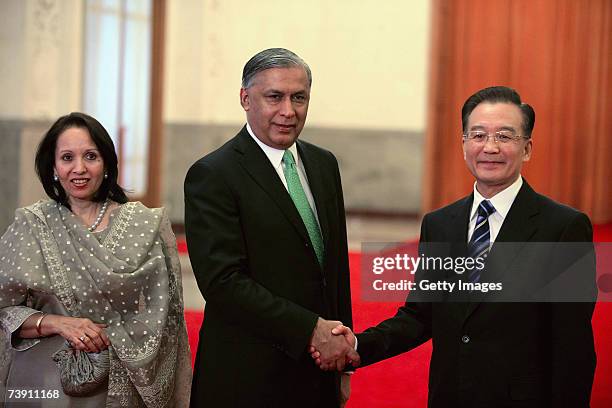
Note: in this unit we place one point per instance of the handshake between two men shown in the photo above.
(332, 346)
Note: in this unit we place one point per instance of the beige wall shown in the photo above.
(41, 54)
(40, 79)
(368, 58)
(369, 61)
(12, 51)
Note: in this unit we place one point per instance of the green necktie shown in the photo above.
(296, 191)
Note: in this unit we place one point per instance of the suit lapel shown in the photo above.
(518, 228)
(256, 163)
(317, 187)
(457, 238)
(459, 223)
(519, 224)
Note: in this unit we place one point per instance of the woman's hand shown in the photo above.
(81, 332)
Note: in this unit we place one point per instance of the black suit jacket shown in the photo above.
(495, 354)
(260, 277)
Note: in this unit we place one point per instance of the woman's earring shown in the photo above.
(55, 178)
(105, 175)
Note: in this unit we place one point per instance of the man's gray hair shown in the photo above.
(272, 58)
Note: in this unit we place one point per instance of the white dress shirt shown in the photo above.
(501, 201)
(276, 159)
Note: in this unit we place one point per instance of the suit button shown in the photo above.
(465, 339)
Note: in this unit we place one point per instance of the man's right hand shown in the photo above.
(333, 346)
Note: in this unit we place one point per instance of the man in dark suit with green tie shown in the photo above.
(266, 231)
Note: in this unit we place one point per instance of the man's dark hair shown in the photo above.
(45, 158)
(499, 94)
(272, 58)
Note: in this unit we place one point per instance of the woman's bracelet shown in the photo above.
(39, 321)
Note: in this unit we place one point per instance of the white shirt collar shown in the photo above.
(501, 201)
(274, 155)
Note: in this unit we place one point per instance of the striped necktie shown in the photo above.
(481, 238)
(296, 191)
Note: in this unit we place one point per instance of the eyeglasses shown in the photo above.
(501, 136)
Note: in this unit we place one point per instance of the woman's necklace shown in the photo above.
(99, 218)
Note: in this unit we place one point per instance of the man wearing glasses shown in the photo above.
(497, 354)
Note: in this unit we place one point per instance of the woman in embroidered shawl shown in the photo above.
(92, 269)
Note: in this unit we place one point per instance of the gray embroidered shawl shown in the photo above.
(130, 281)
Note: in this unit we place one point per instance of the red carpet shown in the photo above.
(401, 382)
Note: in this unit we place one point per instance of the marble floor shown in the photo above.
(360, 229)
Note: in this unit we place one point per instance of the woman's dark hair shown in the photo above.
(45, 158)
